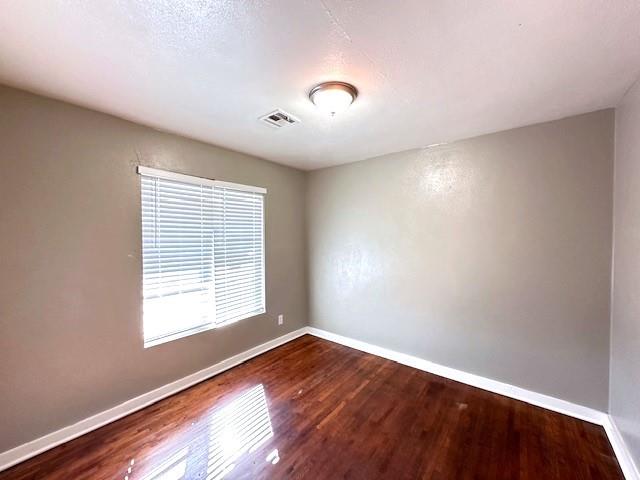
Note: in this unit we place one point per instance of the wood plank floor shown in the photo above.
(313, 409)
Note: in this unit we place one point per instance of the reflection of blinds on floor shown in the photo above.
(203, 253)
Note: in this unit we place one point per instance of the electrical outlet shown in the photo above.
(280, 319)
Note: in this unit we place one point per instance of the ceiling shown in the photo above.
(428, 71)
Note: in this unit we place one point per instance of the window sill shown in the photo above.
(204, 328)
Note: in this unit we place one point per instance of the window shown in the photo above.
(202, 254)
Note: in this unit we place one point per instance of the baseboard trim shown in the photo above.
(46, 442)
(534, 398)
(541, 400)
(629, 468)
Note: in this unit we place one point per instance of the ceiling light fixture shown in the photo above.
(333, 97)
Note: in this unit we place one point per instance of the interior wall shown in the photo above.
(70, 260)
(625, 317)
(490, 255)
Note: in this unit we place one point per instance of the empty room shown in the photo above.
(320, 239)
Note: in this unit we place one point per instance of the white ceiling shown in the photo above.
(428, 71)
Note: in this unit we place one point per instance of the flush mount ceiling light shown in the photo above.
(333, 97)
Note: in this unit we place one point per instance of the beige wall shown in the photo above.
(625, 318)
(70, 282)
(490, 255)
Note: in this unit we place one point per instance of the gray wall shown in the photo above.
(70, 290)
(625, 319)
(491, 255)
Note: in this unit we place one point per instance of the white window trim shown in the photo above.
(154, 172)
(180, 177)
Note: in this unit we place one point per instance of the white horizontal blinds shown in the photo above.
(203, 253)
(177, 251)
(238, 252)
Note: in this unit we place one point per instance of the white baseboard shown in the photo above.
(534, 398)
(39, 445)
(629, 468)
(545, 401)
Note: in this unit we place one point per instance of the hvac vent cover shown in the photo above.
(278, 119)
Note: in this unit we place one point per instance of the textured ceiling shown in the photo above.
(428, 71)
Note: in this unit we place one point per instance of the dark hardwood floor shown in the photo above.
(314, 409)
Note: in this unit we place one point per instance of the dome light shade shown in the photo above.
(333, 97)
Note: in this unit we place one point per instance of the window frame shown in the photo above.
(201, 181)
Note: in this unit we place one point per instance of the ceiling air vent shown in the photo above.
(278, 119)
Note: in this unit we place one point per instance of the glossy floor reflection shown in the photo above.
(312, 409)
(215, 443)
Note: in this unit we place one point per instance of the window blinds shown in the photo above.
(238, 253)
(203, 253)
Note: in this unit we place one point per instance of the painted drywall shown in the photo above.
(625, 309)
(490, 255)
(70, 283)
